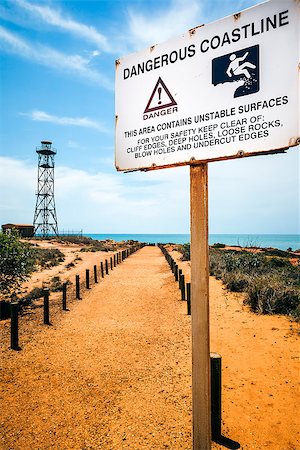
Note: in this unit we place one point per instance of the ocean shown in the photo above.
(280, 241)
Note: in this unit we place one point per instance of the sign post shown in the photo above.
(200, 308)
(225, 90)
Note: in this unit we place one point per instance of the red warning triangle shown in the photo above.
(160, 97)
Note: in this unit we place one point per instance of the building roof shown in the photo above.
(20, 225)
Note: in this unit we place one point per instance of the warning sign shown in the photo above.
(226, 90)
(160, 97)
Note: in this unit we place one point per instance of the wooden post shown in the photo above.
(176, 272)
(77, 287)
(95, 274)
(106, 267)
(216, 395)
(87, 278)
(188, 298)
(46, 307)
(14, 326)
(179, 278)
(182, 287)
(4, 310)
(111, 263)
(64, 296)
(102, 269)
(200, 308)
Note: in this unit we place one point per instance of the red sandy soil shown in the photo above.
(114, 372)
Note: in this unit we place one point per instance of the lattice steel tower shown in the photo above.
(45, 221)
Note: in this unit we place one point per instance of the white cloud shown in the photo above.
(42, 116)
(56, 18)
(75, 145)
(52, 58)
(17, 187)
(180, 16)
(100, 202)
(17, 44)
(255, 195)
(121, 203)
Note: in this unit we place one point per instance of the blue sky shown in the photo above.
(57, 83)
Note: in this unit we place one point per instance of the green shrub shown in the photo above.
(185, 250)
(236, 281)
(76, 239)
(271, 284)
(16, 260)
(69, 265)
(56, 284)
(47, 257)
(276, 252)
(34, 294)
(269, 295)
(218, 245)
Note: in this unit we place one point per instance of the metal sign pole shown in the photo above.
(200, 308)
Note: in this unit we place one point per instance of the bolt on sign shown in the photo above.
(219, 91)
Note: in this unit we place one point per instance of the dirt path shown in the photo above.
(114, 372)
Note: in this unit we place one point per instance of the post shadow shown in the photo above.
(226, 442)
(216, 403)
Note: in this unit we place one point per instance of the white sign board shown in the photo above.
(219, 91)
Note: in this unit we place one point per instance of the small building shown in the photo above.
(24, 230)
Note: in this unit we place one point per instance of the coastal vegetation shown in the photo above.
(270, 278)
(90, 244)
(46, 257)
(19, 259)
(16, 260)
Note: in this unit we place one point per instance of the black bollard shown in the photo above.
(87, 278)
(111, 263)
(216, 395)
(106, 267)
(102, 269)
(64, 297)
(95, 274)
(77, 287)
(182, 287)
(46, 307)
(176, 272)
(173, 266)
(115, 260)
(179, 277)
(4, 309)
(14, 326)
(188, 298)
